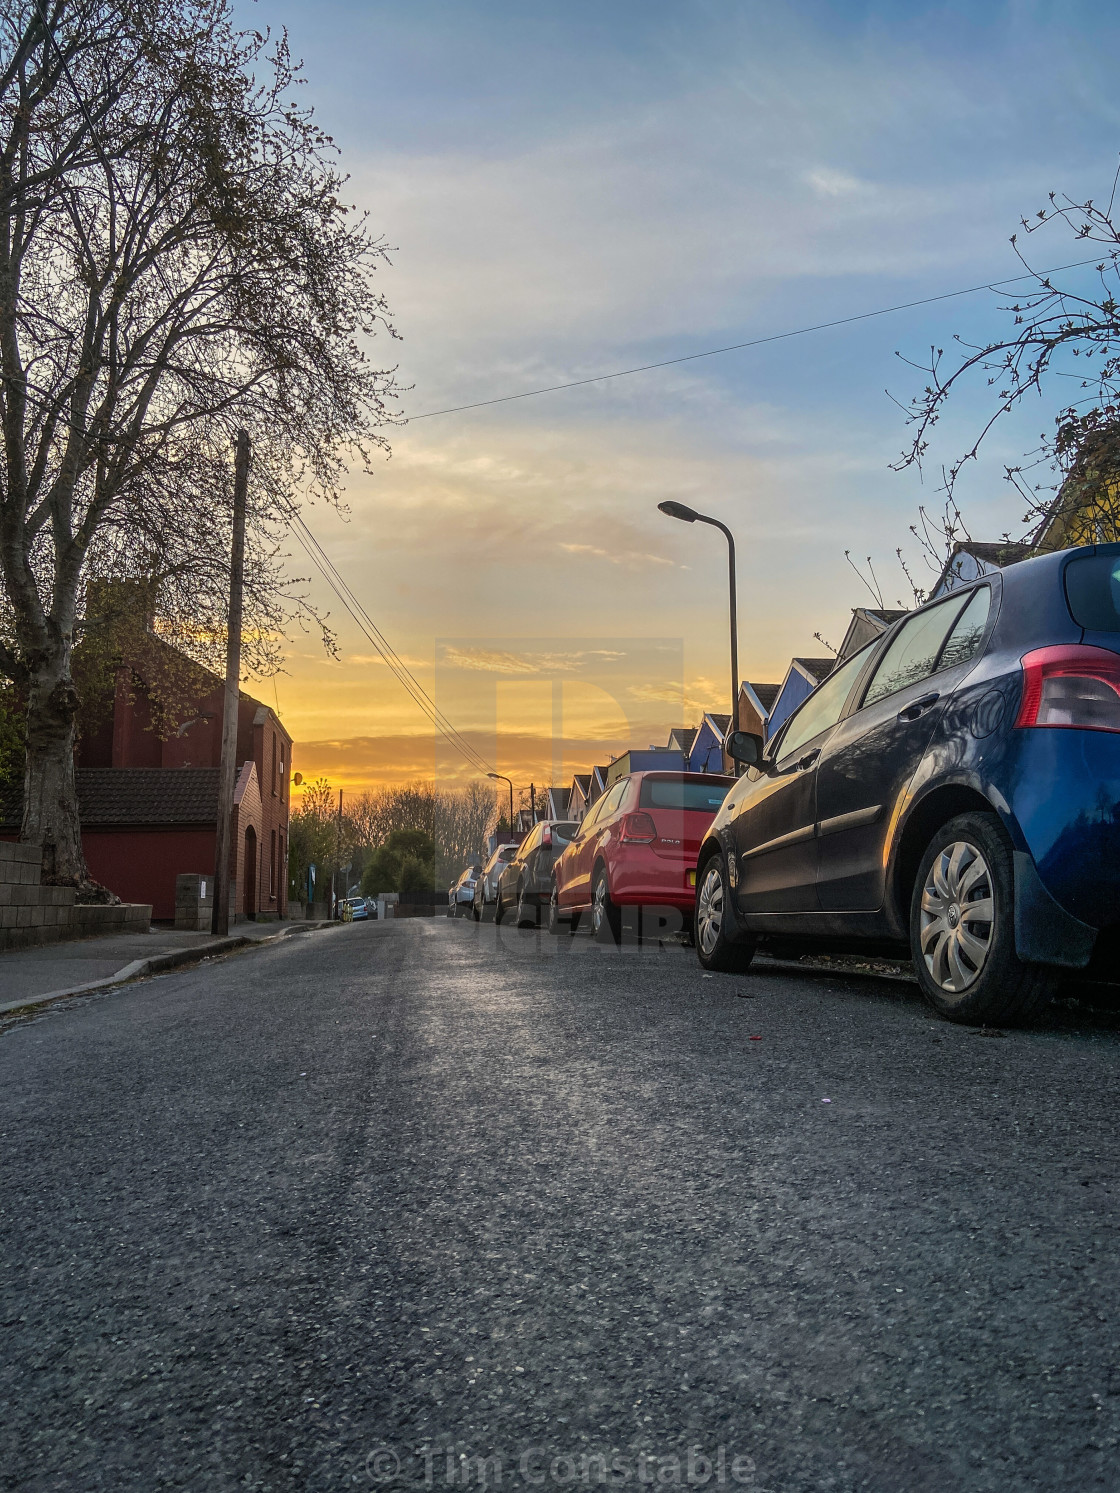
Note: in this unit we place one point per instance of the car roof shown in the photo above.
(684, 777)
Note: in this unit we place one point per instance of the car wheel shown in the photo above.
(714, 924)
(606, 924)
(499, 907)
(557, 922)
(962, 928)
(476, 911)
(528, 914)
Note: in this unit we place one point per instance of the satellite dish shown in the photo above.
(297, 779)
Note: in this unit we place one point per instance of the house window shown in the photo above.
(272, 866)
(274, 766)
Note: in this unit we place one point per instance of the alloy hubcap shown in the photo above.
(957, 917)
(709, 909)
(599, 909)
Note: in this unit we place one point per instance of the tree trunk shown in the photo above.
(50, 795)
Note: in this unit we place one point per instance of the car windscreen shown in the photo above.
(1093, 590)
(683, 793)
(563, 833)
(508, 852)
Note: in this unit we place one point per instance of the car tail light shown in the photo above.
(546, 836)
(1075, 687)
(638, 829)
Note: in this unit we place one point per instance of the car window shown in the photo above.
(563, 831)
(964, 641)
(532, 839)
(822, 708)
(612, 799)
(913, 655)
(1093, 591)
(507, 852)
(684, 793)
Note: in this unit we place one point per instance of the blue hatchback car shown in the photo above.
(954, 787)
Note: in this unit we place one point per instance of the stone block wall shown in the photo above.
(194, 902)
(31, 914)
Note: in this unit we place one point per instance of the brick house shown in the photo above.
(148, 803)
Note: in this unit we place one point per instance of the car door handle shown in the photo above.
(809, 758)
(919, 707)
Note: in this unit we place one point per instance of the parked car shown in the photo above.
(486, 887)
(954, 787)
(525, 882)
(460, 898)
(636, 847)
(352, 909)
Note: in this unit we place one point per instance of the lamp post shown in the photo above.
(690, 516)
(497, 776)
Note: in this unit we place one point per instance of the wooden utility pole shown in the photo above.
(337, 855)
(227, 777)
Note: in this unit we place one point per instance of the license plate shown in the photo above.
(692, 878)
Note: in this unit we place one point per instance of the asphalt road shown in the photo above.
(342, 1212)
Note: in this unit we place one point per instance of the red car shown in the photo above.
(636, 847)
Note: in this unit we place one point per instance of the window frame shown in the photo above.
(964, 598)
(774, 750)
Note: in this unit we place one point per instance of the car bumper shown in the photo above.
(653, 881)
(1065, 801)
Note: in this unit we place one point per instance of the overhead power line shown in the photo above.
(404, 676)
(733, 347)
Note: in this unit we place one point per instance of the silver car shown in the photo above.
(460, 897)
(486, 887)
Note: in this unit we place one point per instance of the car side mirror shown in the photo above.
(746, 747)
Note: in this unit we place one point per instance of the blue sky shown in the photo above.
(573, 188)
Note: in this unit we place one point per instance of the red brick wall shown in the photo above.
(141, 865)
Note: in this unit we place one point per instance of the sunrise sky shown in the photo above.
(573, 188)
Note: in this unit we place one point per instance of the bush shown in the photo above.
(405, 863)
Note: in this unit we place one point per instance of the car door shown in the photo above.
(517, 868)
(606, 810)
(869, 761)
(773, 825)
(575, 870)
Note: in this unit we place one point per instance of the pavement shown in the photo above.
(425, 1204)
(29, 976)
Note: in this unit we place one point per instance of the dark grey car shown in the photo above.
(525, 882)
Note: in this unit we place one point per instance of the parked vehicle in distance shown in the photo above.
(636, 847)
(352, 909)
(460, 897)
(525, 882)
(954, 787)
(486, 887)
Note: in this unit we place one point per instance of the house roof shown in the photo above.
(765, 694)
(558, 797)
(681, 739)
(991, 556)
(720, 723)
(581, 781)
(816, 668)
(123, 797)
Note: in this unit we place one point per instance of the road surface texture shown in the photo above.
(431, 1205)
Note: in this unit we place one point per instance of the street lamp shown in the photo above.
(690, 516)
(496, 776)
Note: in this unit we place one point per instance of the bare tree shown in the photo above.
(176, 261)
(457, 820)
(1062, 332)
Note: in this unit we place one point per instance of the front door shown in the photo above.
(250, 872)
(869, 761)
